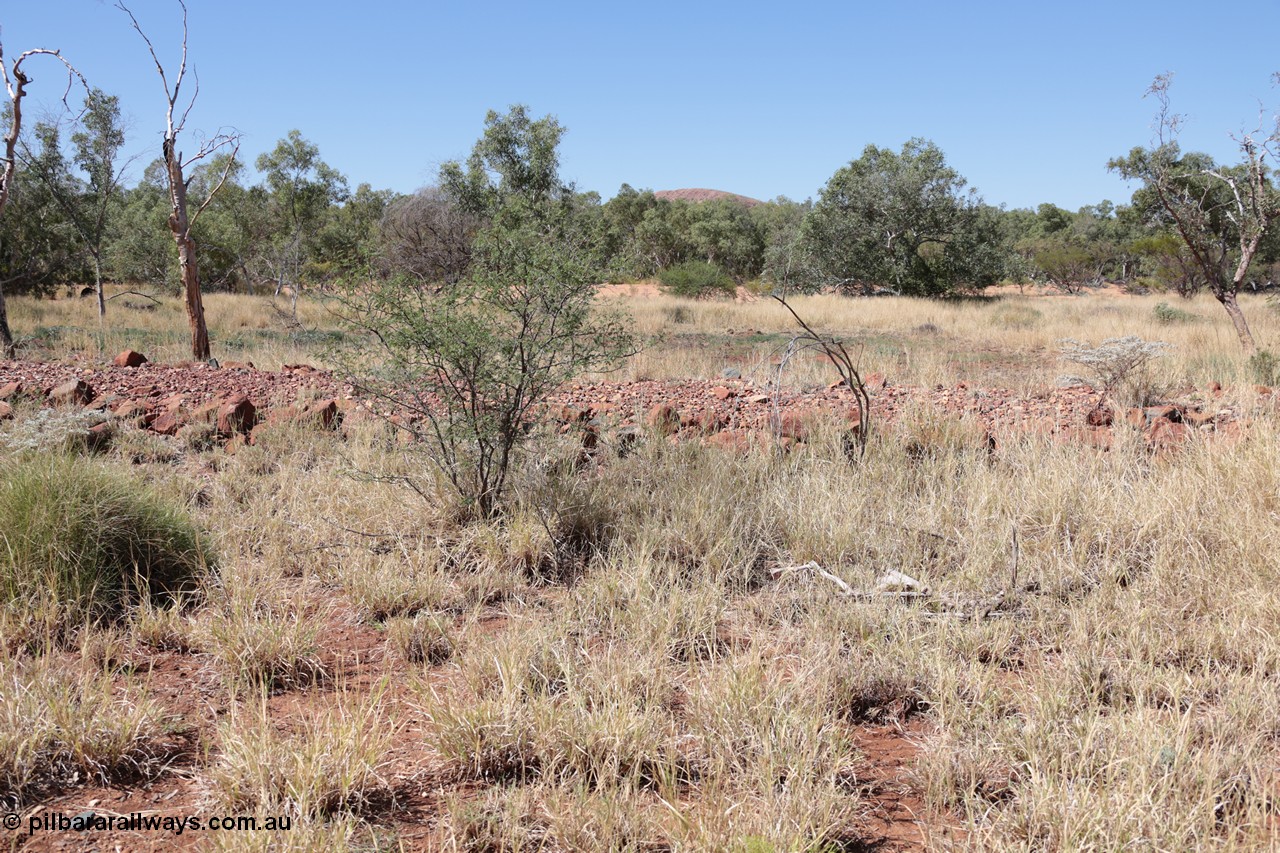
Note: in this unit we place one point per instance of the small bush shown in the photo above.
(1264, 367)
(88, 543)
(1167, 315)
(696, 280)
(329, 766)
(1119, 368)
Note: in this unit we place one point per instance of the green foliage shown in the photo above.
(903, 221)
(696, 280)
(82, 542)
(1264, 367)
(472, 362)
(1167, 315)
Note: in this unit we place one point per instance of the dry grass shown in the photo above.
(612, 667)
(60, 726)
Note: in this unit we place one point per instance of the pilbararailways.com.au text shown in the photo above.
(139, 822)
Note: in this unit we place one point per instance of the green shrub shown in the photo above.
(696, 280)
(1167, 315)
(81, 542)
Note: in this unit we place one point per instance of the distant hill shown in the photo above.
(696, 195)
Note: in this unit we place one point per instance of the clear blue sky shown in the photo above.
(1028, 100)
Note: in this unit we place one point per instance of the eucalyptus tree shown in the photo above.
(87, 200)
(16, 79)
(1221, 213)
(903, 221)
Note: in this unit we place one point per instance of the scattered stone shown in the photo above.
(1102, 416)
(236, 415)
(722, 393)
(72, 392)
(9, 390)
(1165, 433)
(664, 418)
(129, 358)
(99, 437)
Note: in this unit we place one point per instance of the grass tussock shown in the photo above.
(60, 727)
(330, 765)
(80, 542)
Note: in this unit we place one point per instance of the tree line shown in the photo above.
(890, 221)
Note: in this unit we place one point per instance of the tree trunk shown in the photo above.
(195, 304)
(181, 228)
(1228, 300)
(97, 283)
(7, 349)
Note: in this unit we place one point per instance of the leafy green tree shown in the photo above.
(1221, 213)
(474, 361)
(16, 80)
(303, 189)
(903, 220)
(87, 200)
(140, 250)
(785, 263)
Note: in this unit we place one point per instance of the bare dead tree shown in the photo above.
(835, 351)
(427, 236)
(175, 165)
(16, 81)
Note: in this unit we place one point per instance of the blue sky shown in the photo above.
(1028, 100)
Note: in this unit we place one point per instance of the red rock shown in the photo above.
(595, 410)
(1155, 413)
(9, 390)
(795, 424)
(206, 413)
(1099, 417)
(168, 422)
(664, 418)
(99, 437)
(758, 398)
(1198, 419)
(325, 413)
(735, 440)
(709, 421)
(129, 358)
(236, 415)
(568, 414)
(136, 411)
(722, 393)
(1164, 433)
(72, 392)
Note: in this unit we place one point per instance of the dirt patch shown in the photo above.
(897, 819)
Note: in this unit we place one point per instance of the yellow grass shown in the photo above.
(653, 686)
